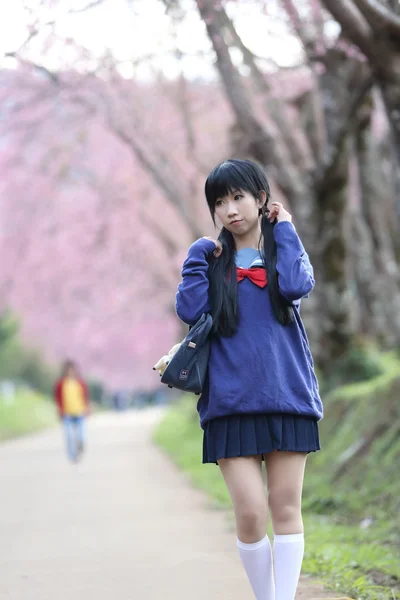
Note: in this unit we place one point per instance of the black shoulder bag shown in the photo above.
(187, 369)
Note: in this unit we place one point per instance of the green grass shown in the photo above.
(350, 560)
(25, 413)
(360, 562)
(373, 388)
(364, 484)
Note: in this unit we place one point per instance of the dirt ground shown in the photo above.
(124, 524)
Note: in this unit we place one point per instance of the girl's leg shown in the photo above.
(285, 475)
(244, 481)
(69, 437)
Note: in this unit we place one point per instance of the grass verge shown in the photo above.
(349, 555)
(25, 413)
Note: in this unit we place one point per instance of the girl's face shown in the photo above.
(238, 211)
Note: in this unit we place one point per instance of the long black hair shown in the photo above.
(247, 176)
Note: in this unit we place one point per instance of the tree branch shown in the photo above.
(87, 7)
(265, 145)
(274, 106)
(156, 164)
(170, 190)
(318, 19)
(354, 24)
(310, 48)
(378, 16)
(53, 77)
(307, 41)
(168, 241)
(347, 126)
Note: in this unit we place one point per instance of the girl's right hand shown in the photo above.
(218, 246)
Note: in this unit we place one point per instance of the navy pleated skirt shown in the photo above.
(247, 435)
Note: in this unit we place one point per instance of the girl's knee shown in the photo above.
(284, 506)
(251, 522)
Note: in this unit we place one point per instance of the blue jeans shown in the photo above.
(75, 435)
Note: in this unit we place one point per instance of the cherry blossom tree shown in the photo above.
(133, 157)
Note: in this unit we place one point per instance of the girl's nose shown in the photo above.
(232, 209)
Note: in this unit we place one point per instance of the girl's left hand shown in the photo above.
(279, 213)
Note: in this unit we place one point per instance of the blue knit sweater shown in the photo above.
(265, 367)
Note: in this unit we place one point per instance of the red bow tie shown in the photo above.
(257, 275)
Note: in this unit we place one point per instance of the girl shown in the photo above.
(260, 400)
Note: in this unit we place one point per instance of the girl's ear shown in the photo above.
(262, 197)
(262, 201)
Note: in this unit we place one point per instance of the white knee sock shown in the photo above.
(257, 561)
(288, 556)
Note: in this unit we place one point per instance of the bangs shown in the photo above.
(225, 179)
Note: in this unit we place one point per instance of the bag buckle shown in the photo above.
(192, 345)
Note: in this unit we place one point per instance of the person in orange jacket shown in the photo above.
(72, 399)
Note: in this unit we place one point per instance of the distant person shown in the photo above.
(120, 400)
(72, 398)
(260, 401)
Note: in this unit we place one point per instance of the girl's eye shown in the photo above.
(238, 196)
(218, 203)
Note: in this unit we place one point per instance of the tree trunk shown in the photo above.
(378, 274)
(320, 205)
(338, 320)
(337, 310)
(375, 29)
(265, 145)
(390, 86)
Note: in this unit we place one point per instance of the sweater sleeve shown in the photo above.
(192, 295)
(295, 272)
(58, 397)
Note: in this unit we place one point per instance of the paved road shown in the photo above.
(122, 525)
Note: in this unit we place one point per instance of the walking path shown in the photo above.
(122, 525)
